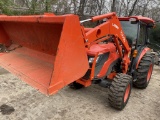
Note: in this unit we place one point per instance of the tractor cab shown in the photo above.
(137, 29)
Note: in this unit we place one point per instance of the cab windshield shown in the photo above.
(130, 30)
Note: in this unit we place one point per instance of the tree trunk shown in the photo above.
(33, 6)
(120, 8)
(145, 7)
(133, 7)
(113, 7)
(81, 8)
(127, 6)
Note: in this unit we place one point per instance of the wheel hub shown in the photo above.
(126, 95)
(149, 72)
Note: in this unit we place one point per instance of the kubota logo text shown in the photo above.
(114, 25)
(123, 37)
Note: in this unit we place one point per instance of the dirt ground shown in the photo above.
(86, 104)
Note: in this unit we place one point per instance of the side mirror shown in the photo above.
(133, 20)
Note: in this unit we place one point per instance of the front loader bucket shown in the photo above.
(46, 51)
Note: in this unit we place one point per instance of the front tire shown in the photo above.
(120, 90)
(144, 71)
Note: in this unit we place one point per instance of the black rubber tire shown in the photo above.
(75, 86)
(143, 71)
(118, 89)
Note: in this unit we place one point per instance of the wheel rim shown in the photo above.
(126, 95)
(149, 72)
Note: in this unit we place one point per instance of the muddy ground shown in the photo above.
(25, 103)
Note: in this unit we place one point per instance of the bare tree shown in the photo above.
(100, 4)
(81, 7)
(113, 7)
(149, 8)
(133, 7)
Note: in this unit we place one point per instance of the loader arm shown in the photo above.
(111, 27)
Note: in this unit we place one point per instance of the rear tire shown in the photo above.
(144, 71)
(120, 90)
(75, 85)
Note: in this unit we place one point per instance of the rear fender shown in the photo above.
(141, 52)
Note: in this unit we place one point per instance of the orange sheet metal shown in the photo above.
(51, 52)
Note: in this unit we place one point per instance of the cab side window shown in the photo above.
(142, 35)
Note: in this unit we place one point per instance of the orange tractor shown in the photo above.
(50, 52)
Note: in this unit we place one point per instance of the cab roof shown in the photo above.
(143, 19)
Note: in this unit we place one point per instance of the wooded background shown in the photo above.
(83, 8)
(149, 8)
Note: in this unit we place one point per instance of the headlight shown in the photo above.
(91, 59)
